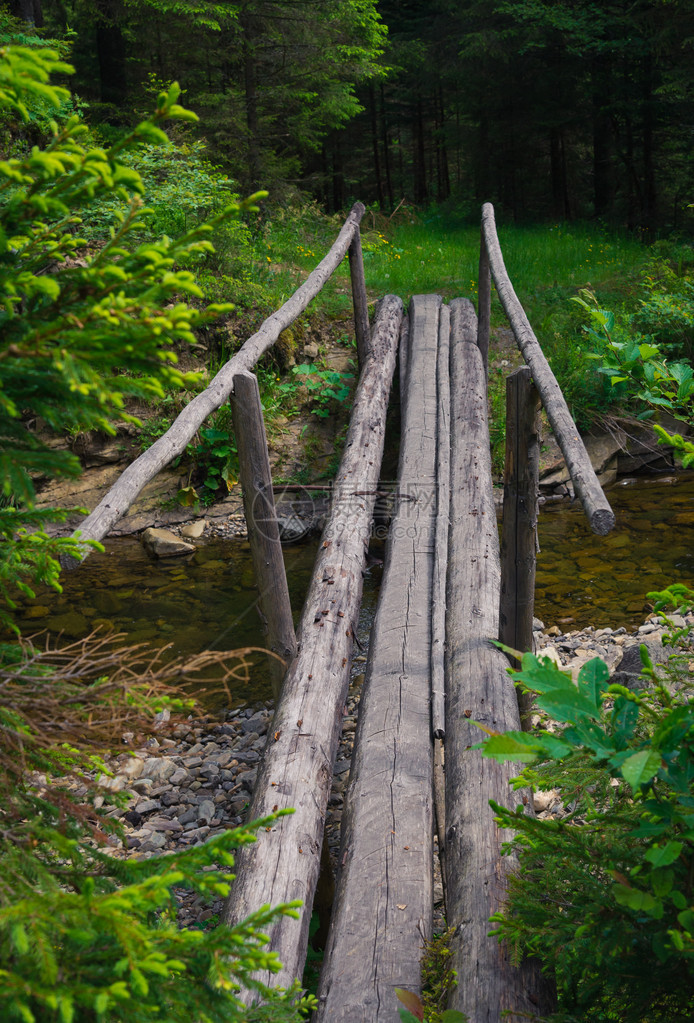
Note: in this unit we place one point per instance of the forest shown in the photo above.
(170, 171)
(550, 110)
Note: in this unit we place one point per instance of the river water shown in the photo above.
(208, 600)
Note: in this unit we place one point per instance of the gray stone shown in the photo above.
(195, 835)
(188, 816)
(162, 543)
(147, 805)
(206, 811)
(164, 824)
(193, 530)
(257, 723)
(247, 778)
(159, 769)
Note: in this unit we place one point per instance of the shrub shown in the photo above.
(605, 895)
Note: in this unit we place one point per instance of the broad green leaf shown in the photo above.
(664, 855)
(566, 704)
(640, 767)
(593, 679)
(521, 746)
(634, 899)
(624, 717)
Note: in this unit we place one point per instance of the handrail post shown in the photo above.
(484, 303)
(586, 484)
(261, 522)
(519, 527)
(359, 298)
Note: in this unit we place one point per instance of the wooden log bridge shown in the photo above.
(447, 591)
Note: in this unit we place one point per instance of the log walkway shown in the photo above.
(447, 592)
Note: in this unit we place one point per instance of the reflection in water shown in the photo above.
(207, 601)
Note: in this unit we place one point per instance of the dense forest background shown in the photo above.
(550, 109)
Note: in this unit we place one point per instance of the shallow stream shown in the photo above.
(208, 600)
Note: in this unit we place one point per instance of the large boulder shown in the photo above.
(162, 543)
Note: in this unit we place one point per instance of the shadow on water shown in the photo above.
(207, 601)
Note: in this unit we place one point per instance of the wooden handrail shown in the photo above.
(597, 508)
(125, 490)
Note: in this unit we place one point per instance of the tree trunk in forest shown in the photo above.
(386, 150)
(560, 190)
(442, 175)
(418, 153)
(110, 51)
(28, 10)
(251, 97)
(648, 219)
(374, 143)
(602, 138)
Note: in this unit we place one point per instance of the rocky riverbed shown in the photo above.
(196, 778)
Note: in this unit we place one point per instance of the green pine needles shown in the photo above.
(87, 936)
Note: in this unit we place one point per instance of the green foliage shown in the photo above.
(85, 935)
(325, 386)
(635, 364)
(216, 462)
(604, 896)
(95, 327)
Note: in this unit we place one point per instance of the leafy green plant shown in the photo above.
(216, 462)
(635, 364)
(605, 895)
(325, 386)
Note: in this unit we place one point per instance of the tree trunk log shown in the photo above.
(478, 688)
(519, 529)
(600, 515)
(359, 298)
(298, 763)
(261, 522)
(383, 909)
(122, 494)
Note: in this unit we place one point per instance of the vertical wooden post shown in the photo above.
(484, 304)
(261, 521)
(519, 529)
(359, 299)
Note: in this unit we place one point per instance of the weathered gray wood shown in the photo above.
(463, 321)
(261, 523)
(402, 359)
(297, 767)
(478, 688)
(359, 297)
(122, 494)
(519, 529)
(600, 515)
(484, 304)
(383, 909)
(443, 472)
